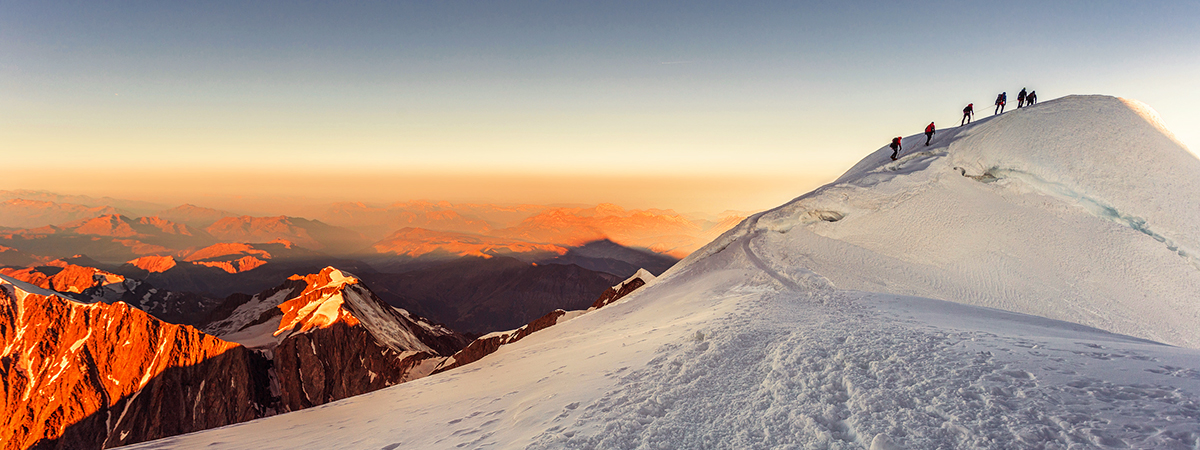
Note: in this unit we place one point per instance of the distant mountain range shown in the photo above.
(23, 213)
(43, 226)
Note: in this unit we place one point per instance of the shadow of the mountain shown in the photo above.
(225, 389)
(481, 295)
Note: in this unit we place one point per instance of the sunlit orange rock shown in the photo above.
(116, 225)
(89, 376)
(85, 376)
(154, 264)
(64, 277)
(330, 337)
(239, 265)
(226, 249)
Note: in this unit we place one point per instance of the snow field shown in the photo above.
(838, 369)
(1076, 209)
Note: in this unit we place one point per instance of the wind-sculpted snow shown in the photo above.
(825, 323)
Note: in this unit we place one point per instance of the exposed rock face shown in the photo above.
(90, 285)
(67, 278)
(330, 338)
(615, 293)
(88, 376)
(154, 264)
(79, 376)
(488, 344)
(339, 361)
(239, 265)
(226, 268)
(233, 250)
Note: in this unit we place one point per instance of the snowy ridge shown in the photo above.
(326, 298)
(381, 319)
(250, 324)
(430, 327)
(494, 341)
(641, 274)
(798, 329)
(1092, 180)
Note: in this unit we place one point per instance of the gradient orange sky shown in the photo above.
(693, 106)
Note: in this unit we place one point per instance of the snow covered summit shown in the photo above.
(1080, 209)
(849, 318)
(322, 300)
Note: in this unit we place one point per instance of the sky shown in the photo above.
(696, 106)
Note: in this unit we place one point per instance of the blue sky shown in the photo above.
(789, 93)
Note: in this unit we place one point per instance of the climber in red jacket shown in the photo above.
(929, 133)
(895, 147)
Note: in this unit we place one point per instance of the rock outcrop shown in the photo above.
(96, 375)
(631, 284)
(226, 268)
(91, 285)
(85, 376)
(329, 337)
(488, 344)
(154, 264)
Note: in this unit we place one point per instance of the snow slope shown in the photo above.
(792, 331)
(1080, 209)
(330, 296)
